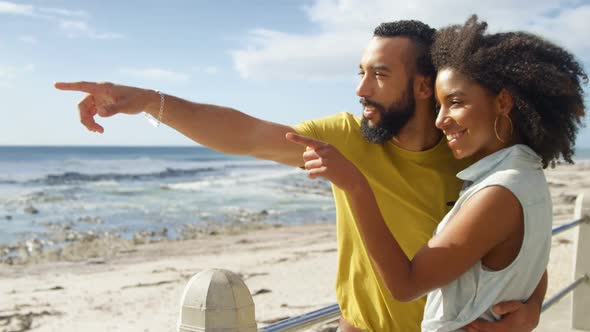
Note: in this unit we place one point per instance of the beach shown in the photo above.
(116, 283)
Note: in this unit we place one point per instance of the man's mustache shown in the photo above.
(368, 102)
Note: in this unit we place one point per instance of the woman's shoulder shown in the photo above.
(528, 185)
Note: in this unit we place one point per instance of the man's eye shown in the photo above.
(456, 102)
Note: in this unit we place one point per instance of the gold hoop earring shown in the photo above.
(496, 128)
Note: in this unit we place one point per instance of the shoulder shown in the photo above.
(330, 127)
(528, 186)
(494, 207)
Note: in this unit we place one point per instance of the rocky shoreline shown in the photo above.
(64, 243)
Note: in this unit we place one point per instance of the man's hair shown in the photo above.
(422, 36)
(544, 80)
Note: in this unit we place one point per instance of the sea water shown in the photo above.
(125, 190)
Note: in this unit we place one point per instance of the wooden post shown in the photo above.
(216, 301)
(581, 295)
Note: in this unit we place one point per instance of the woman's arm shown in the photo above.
(489, 218)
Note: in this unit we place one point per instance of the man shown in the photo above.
(395, 145)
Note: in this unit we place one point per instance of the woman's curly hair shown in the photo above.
(545, 81)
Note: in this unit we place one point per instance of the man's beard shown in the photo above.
(391, 120)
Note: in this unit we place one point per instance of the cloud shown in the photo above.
(15, 9)
(207, 70)
(278, 55)
(152, 73)
(28, 39)
(9, 73)
(69, 21)
(77, 28)
(345, 27)
(64, 12)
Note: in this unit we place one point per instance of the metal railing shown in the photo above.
(317, 317)
(565, 227)
(197, 314)
(564, 292)
(585, 278)
(331, 313)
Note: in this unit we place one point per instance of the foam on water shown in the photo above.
(137, 189)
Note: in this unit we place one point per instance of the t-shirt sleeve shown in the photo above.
(328, 129)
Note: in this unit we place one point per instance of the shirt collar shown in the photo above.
(515, 156)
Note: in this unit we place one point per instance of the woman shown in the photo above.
(512, 102)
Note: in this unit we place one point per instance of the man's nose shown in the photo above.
(364, 88)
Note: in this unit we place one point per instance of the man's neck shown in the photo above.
(419, 134)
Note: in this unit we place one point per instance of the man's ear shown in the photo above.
(504, 102)
(423, 86)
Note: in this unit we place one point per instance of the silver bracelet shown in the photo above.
(156, 122)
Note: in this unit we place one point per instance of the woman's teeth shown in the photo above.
(453, 136)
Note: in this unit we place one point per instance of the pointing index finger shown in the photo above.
(88, 87)
(304, 140)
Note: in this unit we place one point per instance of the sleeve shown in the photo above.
(329, 129)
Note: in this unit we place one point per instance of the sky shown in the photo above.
(279, 60)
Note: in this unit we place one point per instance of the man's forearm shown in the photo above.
(539, 294)
(214, 126)
(225, 129)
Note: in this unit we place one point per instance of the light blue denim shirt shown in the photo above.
(469, 297)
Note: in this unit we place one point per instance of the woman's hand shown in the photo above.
(323, 160)
(107, 99)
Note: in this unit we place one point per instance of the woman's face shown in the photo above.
(467, 112)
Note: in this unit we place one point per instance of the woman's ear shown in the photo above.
(504, 102)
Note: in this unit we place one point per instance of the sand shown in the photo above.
(291, 270)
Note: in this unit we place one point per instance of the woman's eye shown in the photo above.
(456, 102)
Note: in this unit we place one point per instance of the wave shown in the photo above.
(231, 181)
(76, 177)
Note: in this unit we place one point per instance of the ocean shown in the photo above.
(582, 154)
(53, 196)
(49, 193)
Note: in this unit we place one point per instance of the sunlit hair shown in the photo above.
(421, 34)
(545, 81)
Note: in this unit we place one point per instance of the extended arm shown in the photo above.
(220, 128)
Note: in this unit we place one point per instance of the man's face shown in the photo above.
(386, 88)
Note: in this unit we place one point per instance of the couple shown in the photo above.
(509, 104)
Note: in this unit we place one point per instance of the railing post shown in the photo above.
(216, 301)
(581, 295)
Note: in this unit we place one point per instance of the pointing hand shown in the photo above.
(106, 99)
(323, 160)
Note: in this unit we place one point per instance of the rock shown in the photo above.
(138, 238)
(72, 236)
(31, 210)
(89, 236)
(34, 247)
(261, 291)
(91, 220)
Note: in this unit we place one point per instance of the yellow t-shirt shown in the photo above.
(412, 190)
